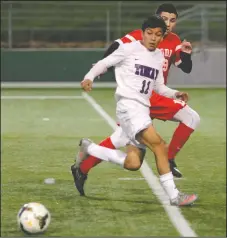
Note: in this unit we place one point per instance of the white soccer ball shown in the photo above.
(33, 218)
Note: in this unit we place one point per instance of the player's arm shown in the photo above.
(186, 64)
(102, 65)
(162, 89)
(114, 46)
(183, 56)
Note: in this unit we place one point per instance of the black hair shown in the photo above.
(154, 22)
(166, 7)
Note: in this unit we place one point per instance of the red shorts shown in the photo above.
(164, 108)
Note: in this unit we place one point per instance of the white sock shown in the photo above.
(169, 185)
(110, 155)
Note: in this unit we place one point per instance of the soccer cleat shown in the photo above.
(173, 167)
(79, 179)
(78, 176)
(184, 199)
(82, 154)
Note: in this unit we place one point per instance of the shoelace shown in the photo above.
(183, 196)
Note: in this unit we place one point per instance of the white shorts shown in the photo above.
(133, 117)
(119, 139)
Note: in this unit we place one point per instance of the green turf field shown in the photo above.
(35, 148)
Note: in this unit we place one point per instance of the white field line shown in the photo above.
(174, 213)
(39, 97)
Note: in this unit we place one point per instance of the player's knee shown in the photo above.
(196, 120)
(133, 166)
(132, 163)
(189, 117)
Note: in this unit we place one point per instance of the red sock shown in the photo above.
(180, 136)
(92, 161)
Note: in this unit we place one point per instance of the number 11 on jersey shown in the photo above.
(145, 87)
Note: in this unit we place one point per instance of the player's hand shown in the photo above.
(86, 84)
(186, 47)
(182, 96)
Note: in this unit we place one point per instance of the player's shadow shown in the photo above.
(139, 210)
(155, 205)
(119, 200)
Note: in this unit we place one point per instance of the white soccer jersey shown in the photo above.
(138, 71)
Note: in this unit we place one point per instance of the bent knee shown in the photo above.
(132, 164)
(189, 117)
(196, 120)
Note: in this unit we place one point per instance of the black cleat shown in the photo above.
(173, 167)
(79, 179)
(78, 176)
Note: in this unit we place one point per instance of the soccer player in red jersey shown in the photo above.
(162, 108)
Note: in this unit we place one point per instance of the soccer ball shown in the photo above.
(33, 218)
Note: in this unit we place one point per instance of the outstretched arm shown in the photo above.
(101, 66)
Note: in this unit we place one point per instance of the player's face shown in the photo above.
(170, 20)
(152, 37)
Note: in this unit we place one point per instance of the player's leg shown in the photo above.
(189, 120)
(155, 143)
(132, 160)
(134, 118)
(136, 123)
(91, 161)
(116, 140)
(164, 109)
(135, 157)
(84, 163)
(82, 166)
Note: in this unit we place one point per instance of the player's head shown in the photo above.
(169, 14)
(153, 29)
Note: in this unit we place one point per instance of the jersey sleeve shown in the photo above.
(116, 57)
(102, 65)
(130, 37)
(177, 50)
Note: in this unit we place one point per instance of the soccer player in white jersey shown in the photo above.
(138, 71)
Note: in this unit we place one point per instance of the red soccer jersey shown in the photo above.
(170, 47)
